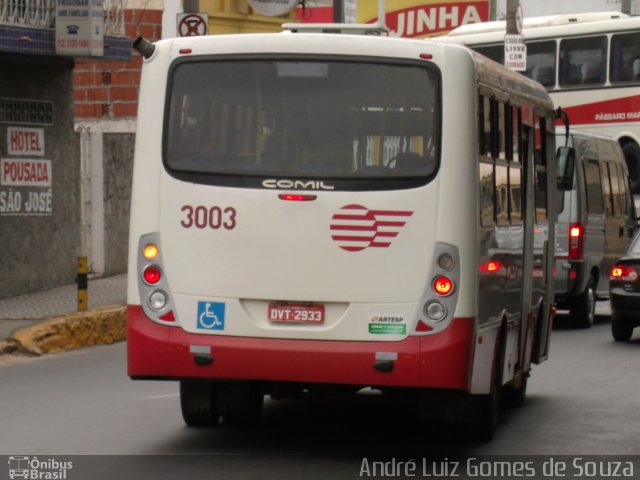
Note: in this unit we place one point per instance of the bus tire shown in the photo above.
(583, 309)
(621, 328)
(240, 403)
(486, 423)
(197, 402)
(514, 397)
(631, 152)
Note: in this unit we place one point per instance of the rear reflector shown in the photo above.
(168, 317)
(423, 327)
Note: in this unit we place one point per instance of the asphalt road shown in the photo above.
(583, 401)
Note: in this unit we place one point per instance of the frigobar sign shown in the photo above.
(423, 18)
(79, 27)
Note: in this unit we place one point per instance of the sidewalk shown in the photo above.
(52, 315)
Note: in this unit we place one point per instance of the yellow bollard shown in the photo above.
(83, 283)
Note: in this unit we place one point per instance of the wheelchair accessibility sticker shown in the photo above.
(211, 316)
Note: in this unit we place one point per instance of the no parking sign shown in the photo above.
(193, 24)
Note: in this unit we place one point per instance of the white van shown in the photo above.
(596, 221)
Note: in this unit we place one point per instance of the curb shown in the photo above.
(77, 330)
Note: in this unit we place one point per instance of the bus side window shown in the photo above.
(540, 166)
(502, 195)
(486, 194)
(485, 143)
(583, 61)
(625, 57)
(541, 62)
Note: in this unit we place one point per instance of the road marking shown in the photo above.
(156, 397)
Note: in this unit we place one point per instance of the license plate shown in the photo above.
(296, 313)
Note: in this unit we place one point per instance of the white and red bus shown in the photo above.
(325, 212)
(589, 63)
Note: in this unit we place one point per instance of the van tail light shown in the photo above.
(576, 241)
(624, 273)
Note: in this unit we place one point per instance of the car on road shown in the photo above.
(624, 287)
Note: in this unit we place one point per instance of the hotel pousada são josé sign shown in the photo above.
(25, 175)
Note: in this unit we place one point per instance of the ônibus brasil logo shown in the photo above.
(34, 468)
(355, 227)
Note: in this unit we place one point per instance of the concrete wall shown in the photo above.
(39, 251)
(118, 172)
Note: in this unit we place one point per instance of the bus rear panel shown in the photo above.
(304, 212)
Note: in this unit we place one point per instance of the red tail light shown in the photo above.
(443, 285)
(624, 273)
(152, 275)
(576, 241)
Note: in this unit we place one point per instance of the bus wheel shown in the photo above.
(240, 403)
(198, 402)
(486, 423)
(513, 396)
(631, 152)
(621, 328)
(583, 310)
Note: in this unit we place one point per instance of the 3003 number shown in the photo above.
(208, 217)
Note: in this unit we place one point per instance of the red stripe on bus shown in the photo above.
(619, 110)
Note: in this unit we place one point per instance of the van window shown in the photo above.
(606, 188)
(616, 194)
(622, 183)
(593, 184)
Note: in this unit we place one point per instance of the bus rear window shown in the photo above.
(315, 119)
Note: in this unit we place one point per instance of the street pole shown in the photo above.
(191, 6)
(492, 9)
(625, 6)
(338, 11)
(512, 9)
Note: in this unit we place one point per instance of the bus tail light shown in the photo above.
(441, 296)
(152, 275)
(576, 241)
(443, 285)
(624, 273)
(156, 303)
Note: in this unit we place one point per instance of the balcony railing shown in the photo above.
(41, 13)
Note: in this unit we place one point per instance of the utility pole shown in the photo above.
(513, 11)
(191, 6)
(625, 6)
(493, 7)
(338, 11)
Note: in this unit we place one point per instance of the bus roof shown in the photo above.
(547, 26)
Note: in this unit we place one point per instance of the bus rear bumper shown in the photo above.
(441, 360)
